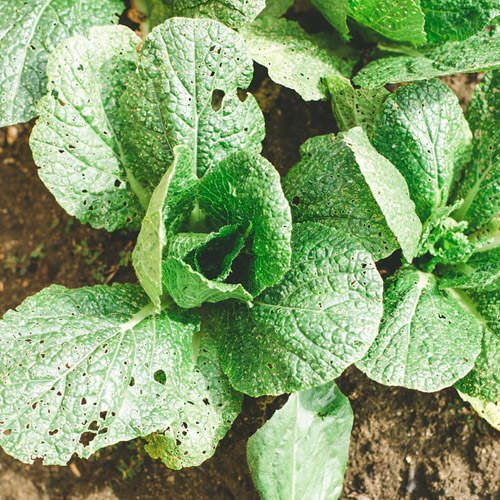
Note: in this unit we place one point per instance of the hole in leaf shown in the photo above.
(217, 97)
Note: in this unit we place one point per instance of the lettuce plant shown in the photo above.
(248, 283)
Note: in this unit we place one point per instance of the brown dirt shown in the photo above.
(405, 445)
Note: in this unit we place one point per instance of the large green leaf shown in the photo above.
(29, 32)
(427, 341)
(301, 452)
(245, 189)
(170, 204)
(83, 369)
(77, 141)
(321, 317)
(480, 187)
(422, 131)
(402, 21)
(344, 182)
(185, 66)
(354, 107)
(477, 53)
(457, 19)
(296, 59)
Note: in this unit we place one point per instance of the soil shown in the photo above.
(405, 445)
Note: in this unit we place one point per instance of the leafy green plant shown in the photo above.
(248, 283)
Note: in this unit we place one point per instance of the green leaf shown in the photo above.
(354, 107)
(344, 182)
(29, 32)
(422, 131)
(457, 19)
(185, 66)
(77, 141)
(481, 271)
(245, 189)
(86, 368)
(170, 204)
(477, 53)
(489, 411)
(480, 187)
(276, 8)
(427, 341)
(296, 59)
(190, 285)
(402, 21)
(321, 317)
(301, 452)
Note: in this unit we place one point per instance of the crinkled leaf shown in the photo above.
(457, 19)
(301, 452)
(77, 141)
(188, 282)
(86, 368)
(245, 189)
(422, 130)
(344, 182)
(427, 341)
(29, 32)
(480, 187)
(170, 204)
(296, 59)
(489, 411)
(185, 66)
(354, 107)
(477, 53)
(320, 318)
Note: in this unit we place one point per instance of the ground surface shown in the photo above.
(405, 445)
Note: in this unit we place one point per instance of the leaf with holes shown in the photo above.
(344, 182)
(77, 141)
(29, 32)
(86, 368)
(301, 452)
(185, 91)
(321, 317)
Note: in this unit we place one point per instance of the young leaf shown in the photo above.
(296, 59)
(344, 182)
(301, 452)
(185, 68)
(29, 32)
(457, 19)
(422, 131)
(477, 53)
(77, 141)
(354, 107)
(320, 318)
(245, 189)
(402, 21)
(480, 188)
(170, 204)
(427, 341)
(86, 368)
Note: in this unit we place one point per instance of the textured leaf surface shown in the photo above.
(321, 317)
(426, 340)
(301, 452)
(354, 107)
(457, 19)
(170, 203)
(422, 131)
(185, 66)
(77, 141)
(335, 13)
(29, 32)
(480, 188)
(296, 59)
(477, 53)
(245, 189)
(489, 411)
(83, 369)
(341, 181)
